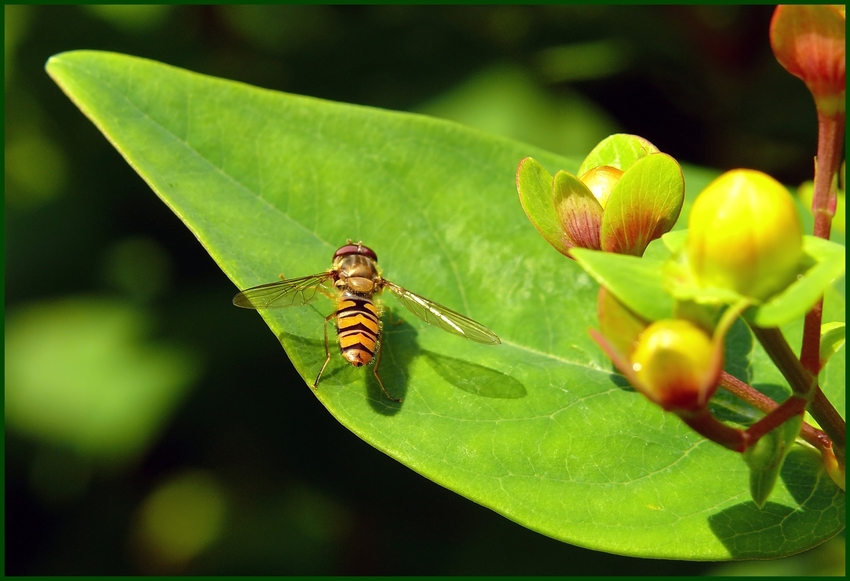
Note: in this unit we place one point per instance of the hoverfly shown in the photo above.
(355, 280)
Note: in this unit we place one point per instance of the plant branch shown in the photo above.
(793, 406)
(801, 381)
(705, 424)
(824, 200)
(826, 415)
(803, 384)
(815, 437)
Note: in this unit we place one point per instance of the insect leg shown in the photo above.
(389, 313)
(378, 377)
(327, 351)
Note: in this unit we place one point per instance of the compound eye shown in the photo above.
(356, 249)
(366, 251)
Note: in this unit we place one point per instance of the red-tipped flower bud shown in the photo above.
(809, 41)
(674, 363)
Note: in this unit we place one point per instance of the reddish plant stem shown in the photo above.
(791, 407)
(764, 404)
(745, 392)
(826, 415)
(810, 350)
(803, 385)
(824, 199)
(705, 424)
(801, 381)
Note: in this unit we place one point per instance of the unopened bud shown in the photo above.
(674, 362)
(809, 41)
(600, 181)
(745, 235)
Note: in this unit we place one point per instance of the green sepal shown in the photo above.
(620, 150)
(644, 204)
(823, 263)
(636, 282)
(534, 185)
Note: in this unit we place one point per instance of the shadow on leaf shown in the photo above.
(749, 532)
(620, 380)
(738, 346)
(398, 349)
(311, 353)
(475, 379)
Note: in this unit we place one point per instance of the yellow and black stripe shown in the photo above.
(358, 328)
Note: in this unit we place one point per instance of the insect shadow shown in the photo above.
(470, 377)
(474, 378)
(307, 349)
(399, 348)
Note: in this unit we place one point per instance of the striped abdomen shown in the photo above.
(358, 328)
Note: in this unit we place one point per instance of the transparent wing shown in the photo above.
(442, 317)
(293, 292)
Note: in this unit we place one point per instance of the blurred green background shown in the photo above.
(153, 428)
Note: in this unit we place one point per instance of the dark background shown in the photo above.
(275, 483)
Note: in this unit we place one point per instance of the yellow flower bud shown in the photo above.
(600, 181)
(745, 235)
(675, 365)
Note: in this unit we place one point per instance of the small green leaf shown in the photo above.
(644, 204)
(619, 150)
(679, 282)
(636, 282)
(826, 260)
(832, 336)
(766, 457)
(828, 264)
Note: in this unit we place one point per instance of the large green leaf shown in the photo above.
(539, 428)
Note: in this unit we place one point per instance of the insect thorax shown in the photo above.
(358, 274)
